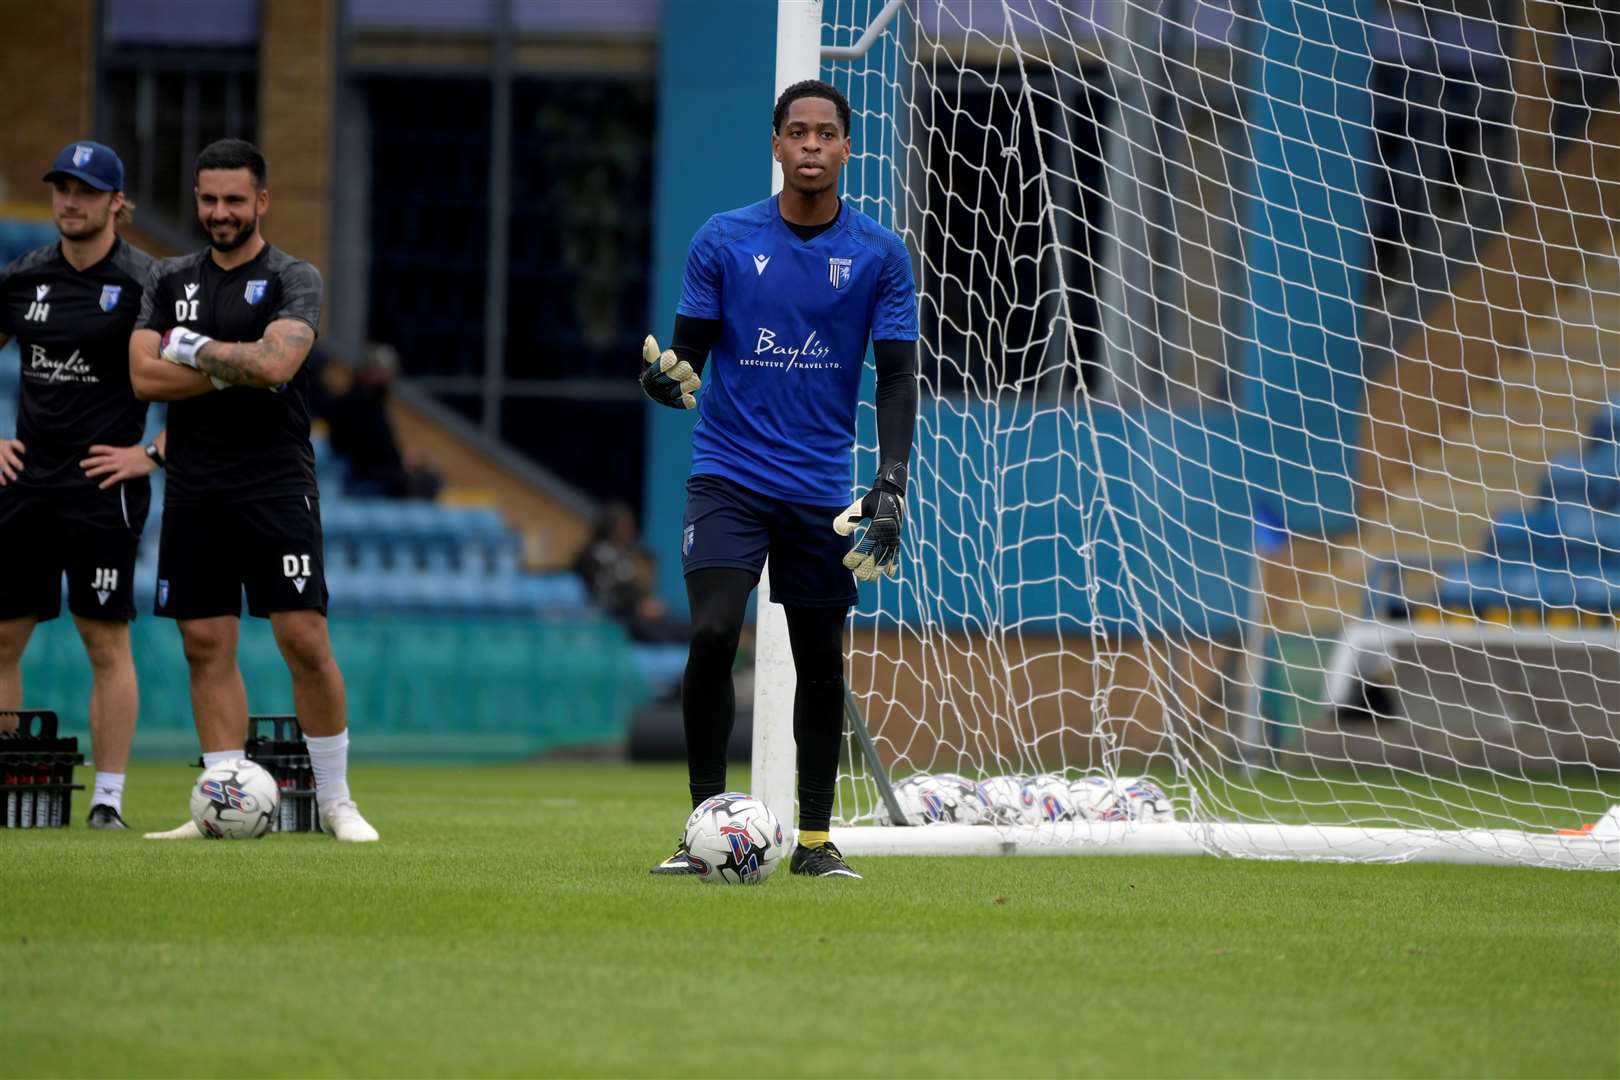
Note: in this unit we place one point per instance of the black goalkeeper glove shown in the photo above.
(884, 507)
(666, 378)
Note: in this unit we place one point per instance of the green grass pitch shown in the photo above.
(507, 925)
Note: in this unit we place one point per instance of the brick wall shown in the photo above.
(46, 87)
(296, 95)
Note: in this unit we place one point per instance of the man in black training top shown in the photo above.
(786, 293)
(223, 335)
(73, 483)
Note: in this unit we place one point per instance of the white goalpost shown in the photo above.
(1267, 451)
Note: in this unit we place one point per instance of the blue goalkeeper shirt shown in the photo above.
(777, 410)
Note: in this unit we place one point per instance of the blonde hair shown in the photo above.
(126, 213)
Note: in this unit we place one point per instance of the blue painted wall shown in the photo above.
(1307, 245)
(1023, 537)
(715, 84)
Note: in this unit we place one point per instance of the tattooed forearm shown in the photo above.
(241, 364)
(271, 361)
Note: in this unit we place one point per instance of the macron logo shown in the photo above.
(760, 262)
(41, 291)
(191, 290)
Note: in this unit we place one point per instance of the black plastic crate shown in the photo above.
(36, 771)
(276, 743)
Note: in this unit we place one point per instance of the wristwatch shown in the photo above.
(155, 454)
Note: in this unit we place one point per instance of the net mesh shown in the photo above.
(1266, 442)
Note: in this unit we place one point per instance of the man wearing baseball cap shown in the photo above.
(73, 481)
(91, 162)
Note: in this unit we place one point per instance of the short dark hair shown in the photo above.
(233, 154)
(810, 88)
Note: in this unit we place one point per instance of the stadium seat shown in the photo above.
(1552, 589)
(1517, 533)
(1605, 426)
(441, 561)
(1595, 595)
(551, 592)
(1485, 585)
(1588, 479)
(376, 555)
(338, 518)
(1587, 538)
(1603, 459)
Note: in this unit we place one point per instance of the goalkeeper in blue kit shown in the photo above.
(784, 295)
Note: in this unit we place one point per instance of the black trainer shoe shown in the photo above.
(103, 816)
(823, 861)
(678, 863)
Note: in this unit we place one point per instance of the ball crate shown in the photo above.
(36, 770)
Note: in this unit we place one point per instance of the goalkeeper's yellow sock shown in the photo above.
(810, 839)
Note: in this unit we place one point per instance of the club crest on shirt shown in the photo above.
(686, 539)
(109, 296)
(838, 272)
(254, 291)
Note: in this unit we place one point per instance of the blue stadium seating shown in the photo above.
(1486, 584)
(414, 558)
(1605, 426)
(1561, 552)
(1588, 478)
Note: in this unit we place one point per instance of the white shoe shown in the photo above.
(342, 819)
(188, 831)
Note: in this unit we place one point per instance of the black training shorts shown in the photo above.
(209, 553)
(727, 524)
(88, 533)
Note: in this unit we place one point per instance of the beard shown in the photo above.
(236, 239)
(84, 228)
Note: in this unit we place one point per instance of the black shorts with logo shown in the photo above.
(727, 524)
(208, 554)
(86, 532)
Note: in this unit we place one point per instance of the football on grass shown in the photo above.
(734, 839)
(234, 800)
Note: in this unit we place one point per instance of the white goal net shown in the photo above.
(1267, 447)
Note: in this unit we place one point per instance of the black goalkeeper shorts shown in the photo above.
(272, 548)
(88, 533)
(727, 524)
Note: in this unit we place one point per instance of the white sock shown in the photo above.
(109, 791)
(329, 759)
(218, 756)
